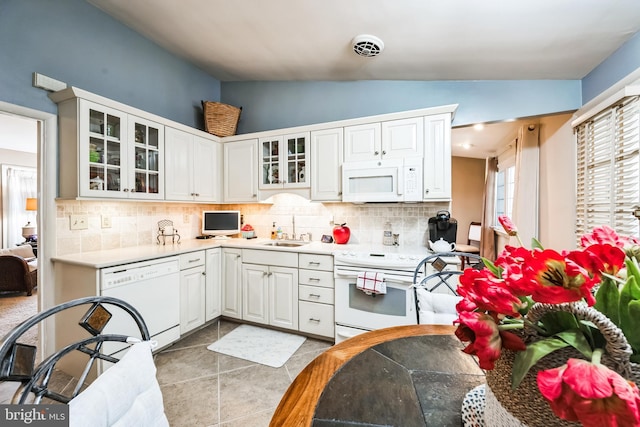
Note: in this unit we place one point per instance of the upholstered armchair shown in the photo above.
(18, 270)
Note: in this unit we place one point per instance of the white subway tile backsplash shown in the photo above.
(136, 223)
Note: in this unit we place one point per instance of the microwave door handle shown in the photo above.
(400, 183)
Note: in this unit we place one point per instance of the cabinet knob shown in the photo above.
(204, 273)
(384, 152)
(133, 190)
(197, 194)
(126, 190)
(376, 152)
(426, 191)
(270, 274)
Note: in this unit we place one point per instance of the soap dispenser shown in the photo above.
(273, 231)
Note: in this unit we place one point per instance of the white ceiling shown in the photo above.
(424, 39)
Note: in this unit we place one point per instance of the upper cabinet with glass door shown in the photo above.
(146, 175)
(284, 161)
(107, 153)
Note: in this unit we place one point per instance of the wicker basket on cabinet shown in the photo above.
(220, 119)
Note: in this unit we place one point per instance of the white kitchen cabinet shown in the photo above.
(192, 290)
(316, 294)
(231, 289)
(284, 161)
(362, 142)
(213, 283)
(240, 171)
(437, 158)
(270, 295)
(403, 138)
(393, 139)
(107, 153)
(192, 167)
(326, 156)
(270, 288)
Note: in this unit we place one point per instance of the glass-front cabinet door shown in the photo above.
(103, 151)
(284, 161)
(146, 154)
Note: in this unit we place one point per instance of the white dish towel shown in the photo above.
(371, 282)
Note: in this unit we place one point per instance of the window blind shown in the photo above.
(608, 169)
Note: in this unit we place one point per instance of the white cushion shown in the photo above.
(436, 308)
(126, 394)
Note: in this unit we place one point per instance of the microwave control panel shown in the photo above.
(412, 182)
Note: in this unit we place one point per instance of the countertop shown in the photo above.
(120, 256)
(402, 376)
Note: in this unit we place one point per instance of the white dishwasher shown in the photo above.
(153, 288)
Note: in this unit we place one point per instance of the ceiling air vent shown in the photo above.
(367, 46)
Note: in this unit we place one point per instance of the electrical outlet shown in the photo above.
(78, 222)
(106, 221)
(186, 218)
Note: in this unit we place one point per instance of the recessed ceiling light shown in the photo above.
(466, 145)
(478, 126)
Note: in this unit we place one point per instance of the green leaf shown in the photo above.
(535, 244)
(497, 271)
(576, 339)
(535, 351)
(633, 271)
(633, 332)
(627, 294)
(607, 300)
(558, 321)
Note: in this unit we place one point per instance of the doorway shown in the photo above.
(46, 158)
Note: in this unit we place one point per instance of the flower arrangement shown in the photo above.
(602, 274)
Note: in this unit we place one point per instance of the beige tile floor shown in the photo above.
(204, 388)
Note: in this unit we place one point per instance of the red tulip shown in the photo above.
(508, 225)
(486, 339)
(590, 393)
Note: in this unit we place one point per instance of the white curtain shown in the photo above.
(526, 192)
(21, 183)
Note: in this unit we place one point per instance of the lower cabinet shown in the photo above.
(231, 283)
(270, 288)
(213, 281)
(316, 295)
(192, 290)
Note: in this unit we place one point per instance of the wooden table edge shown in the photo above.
(298, 404)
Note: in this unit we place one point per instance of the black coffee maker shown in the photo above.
(442, 226)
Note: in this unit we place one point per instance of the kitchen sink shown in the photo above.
(288, 244)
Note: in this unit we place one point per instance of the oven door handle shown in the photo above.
(353, 275)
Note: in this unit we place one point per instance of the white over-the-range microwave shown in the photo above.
(392, 180)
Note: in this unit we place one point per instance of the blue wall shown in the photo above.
(273, 105)
(618, 65)
(72, 41)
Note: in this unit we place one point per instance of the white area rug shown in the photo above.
(260, 345)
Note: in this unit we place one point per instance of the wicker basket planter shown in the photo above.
(220, 119)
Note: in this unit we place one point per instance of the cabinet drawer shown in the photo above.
(315, 294)
(316, 262)
(316, 278)
(316, 319)
(191, 259)
(266, 257)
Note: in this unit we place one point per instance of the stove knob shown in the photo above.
(401, 256)
(352, 253)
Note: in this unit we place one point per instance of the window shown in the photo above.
(608, 169)
(505, 182)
